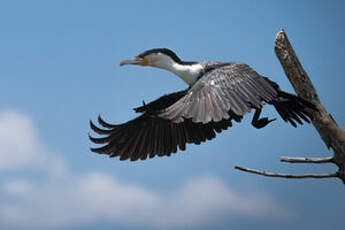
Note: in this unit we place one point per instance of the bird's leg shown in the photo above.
(260, 123)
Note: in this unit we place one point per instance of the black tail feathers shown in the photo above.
(292, 108)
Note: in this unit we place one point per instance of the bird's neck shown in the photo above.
(188, 72)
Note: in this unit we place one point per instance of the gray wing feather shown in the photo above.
(232, 89)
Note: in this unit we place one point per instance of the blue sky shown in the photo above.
(59, 68)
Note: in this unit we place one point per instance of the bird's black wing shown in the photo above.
(149, 135)
(227, 91)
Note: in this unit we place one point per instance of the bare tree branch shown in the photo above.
(290, 176)
(330, 133)
(307, 160)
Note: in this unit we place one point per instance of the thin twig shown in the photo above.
(307, 160)
(270, 174)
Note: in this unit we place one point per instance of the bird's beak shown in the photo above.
(135, 61)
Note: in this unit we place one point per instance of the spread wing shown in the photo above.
(194, 115)
(149, 135)
(224, 92)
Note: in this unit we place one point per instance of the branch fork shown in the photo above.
(330, 133)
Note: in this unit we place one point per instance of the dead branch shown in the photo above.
(290, 176)
(307, 160)
(330, 133)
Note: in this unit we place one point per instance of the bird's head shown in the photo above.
(160, 58)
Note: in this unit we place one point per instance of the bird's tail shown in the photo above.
(292, 108)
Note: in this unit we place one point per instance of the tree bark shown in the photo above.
(330, 133)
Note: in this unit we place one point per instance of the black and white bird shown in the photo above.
(218, 94)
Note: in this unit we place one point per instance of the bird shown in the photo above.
(218, 94)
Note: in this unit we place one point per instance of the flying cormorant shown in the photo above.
(218, 94)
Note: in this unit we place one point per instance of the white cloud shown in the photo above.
(19, 145)
(57, 202)
(100, 197)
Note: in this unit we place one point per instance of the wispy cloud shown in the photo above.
(72, 198)
(20, 147)
(19, 143)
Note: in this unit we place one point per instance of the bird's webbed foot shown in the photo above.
(260, 123)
